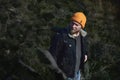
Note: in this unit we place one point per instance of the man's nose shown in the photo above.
(74, 26)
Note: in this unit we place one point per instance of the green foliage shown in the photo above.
(104, 47)
(25, 26)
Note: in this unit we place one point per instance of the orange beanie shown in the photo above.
(80, 18)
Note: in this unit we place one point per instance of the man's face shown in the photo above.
(75, 27)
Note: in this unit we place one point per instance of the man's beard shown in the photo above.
(74, 31)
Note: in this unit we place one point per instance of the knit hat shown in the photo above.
(80, 18)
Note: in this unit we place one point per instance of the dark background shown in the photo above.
(25, 27)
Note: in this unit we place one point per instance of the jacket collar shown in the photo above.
(82, 32)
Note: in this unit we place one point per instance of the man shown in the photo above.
(68, 47)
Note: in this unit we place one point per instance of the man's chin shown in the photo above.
(74, 32)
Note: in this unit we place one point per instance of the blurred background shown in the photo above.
(25, 28)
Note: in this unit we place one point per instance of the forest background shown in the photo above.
(25, 29)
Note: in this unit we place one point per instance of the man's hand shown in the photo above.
(85, 58)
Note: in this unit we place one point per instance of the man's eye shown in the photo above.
(76, 24)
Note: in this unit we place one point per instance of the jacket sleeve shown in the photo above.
(85, 45)
(84, 52)
(56, 45)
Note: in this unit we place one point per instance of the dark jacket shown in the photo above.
(63, 49)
